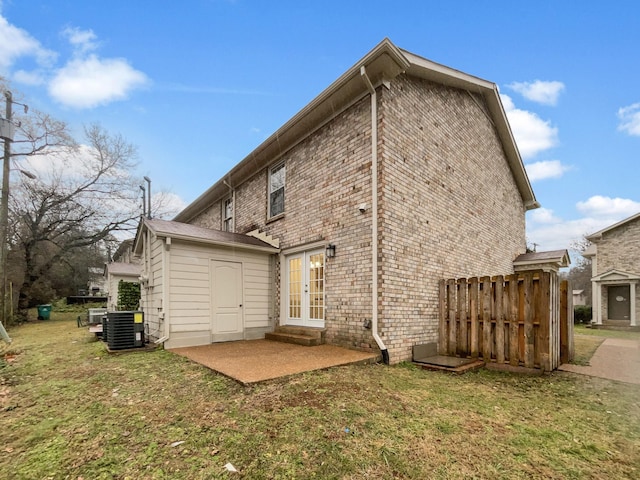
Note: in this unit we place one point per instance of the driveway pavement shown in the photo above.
(615, 359)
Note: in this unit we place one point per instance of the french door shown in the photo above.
(305, 289)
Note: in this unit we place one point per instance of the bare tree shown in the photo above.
(580, 273)
(82, 196)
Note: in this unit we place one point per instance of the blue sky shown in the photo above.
(198, 84)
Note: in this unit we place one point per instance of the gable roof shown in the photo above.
(123, 247)
(193, 233)
(613, 276)
(382, 64)
(598, 235)
(559, 257)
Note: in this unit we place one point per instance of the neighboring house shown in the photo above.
(96, 284)
(615, 264)
(124, 253)
(124, 266)
(116, 271)
(579, 298)
(401, 173)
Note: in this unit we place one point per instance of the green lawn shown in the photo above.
(69, 410)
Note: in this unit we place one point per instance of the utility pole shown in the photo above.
(148, 197)
(7, 136)
(144, 201)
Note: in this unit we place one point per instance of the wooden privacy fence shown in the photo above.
(520, 320)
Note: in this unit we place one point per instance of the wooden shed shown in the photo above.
(201, 286)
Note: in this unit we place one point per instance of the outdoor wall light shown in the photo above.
(331, 250)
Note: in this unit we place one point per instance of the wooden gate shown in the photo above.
(520, 320)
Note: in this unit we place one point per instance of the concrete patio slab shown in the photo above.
(615, 359)
(252, 361)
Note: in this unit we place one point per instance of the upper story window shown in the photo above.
(227, 215)
(276, 190)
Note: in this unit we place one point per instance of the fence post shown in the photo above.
(499, 319)
(442, 301)
(486, 319)
(514, 323)
(451, 300)
(529, 353)
(463, 343)
(473, 315)
(544, 313)
(566, 323)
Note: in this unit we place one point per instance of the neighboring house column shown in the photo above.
(596, 300)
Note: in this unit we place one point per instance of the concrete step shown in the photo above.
(619, 325)
(305, 340)
(307, 336)
(618, 328)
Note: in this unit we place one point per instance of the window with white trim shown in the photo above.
(227, 215)
(276, 190)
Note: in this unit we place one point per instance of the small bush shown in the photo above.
(582, 314)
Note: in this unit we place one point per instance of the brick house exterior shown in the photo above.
(615, 264)
(409, 171)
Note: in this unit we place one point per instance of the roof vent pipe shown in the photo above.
(374, 219)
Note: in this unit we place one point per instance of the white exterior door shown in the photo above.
(227, 321)
(305, 289)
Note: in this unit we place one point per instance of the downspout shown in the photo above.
(374, 218)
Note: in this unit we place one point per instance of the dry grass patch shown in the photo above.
(74, 411)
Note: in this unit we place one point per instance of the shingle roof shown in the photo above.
(594, 236)
(185, 231)
(123, 268)
(558, 256)
(383, 63)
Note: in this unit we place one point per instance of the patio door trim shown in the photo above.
(306, 249)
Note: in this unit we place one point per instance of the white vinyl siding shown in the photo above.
(151, 294)
(190, 299)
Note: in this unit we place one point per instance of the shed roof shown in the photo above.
(382, 64)
(124, 268)
(194, 233)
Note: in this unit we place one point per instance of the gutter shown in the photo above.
(374, 219)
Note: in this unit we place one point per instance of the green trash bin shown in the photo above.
(44, 312)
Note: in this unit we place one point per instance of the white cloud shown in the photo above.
(543, 216)
(606, 207)
(29, 78)
(85, 81)
(630, 119)
(81, 40)
(16, 43)
(545, 169)
(532, 134)
(92, 81)
(169, 204)
(550, 232)
(546, 93)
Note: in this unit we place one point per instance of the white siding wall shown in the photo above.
(190, 295)
(151, 295)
